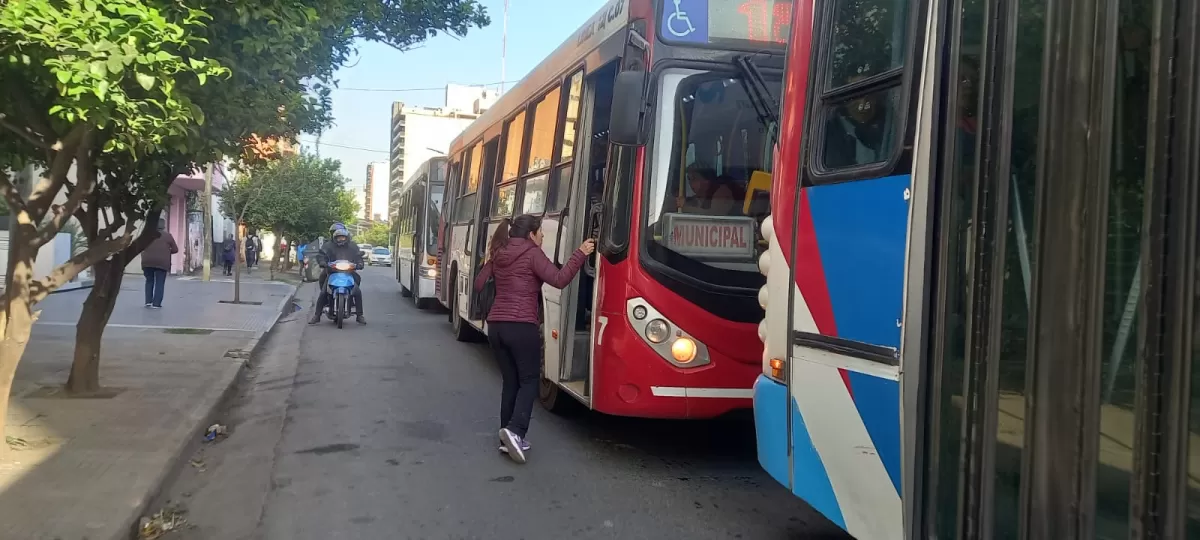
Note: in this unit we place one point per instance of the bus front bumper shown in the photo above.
(770, 426)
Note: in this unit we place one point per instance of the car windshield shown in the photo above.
(710, 183)
(381, 251)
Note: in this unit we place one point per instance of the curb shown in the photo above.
(211, 407)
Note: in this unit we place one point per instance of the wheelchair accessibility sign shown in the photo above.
(685, 20)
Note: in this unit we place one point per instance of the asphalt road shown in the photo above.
(390, 433)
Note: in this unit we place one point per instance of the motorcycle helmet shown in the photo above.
(341, 236)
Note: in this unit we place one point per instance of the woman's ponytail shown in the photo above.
(499, 240)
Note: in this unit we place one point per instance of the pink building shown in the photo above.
(184, 214)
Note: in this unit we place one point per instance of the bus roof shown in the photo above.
(611, 19)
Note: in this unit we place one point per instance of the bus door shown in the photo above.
(1050, 356)
(479, 234)
(576, 301)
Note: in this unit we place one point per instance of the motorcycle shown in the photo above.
(340, 288)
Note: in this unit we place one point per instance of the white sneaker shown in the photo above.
(524, 446)
(514, 444)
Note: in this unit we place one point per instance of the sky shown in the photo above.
(363, 118)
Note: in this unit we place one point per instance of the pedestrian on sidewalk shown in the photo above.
(518, 267)
(229, 253)
(156, 262)
(252, 247)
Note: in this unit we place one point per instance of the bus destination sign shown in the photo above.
(726, 22)
(710, 237)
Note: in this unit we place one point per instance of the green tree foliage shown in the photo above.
(378, 234)
(135, 92)
(296, 197)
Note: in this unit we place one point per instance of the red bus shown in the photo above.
(651, 129)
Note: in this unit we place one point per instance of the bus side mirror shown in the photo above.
(628, 106)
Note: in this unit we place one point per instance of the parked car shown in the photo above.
(380, 256)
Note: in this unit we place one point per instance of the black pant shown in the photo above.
(518, 348)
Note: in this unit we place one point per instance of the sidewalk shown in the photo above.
(87, 468)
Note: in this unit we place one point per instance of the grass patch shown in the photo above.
(188, 331)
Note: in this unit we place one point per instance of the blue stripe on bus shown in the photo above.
(861, 228)
(770, 424)
(878, 403)
(812, 482)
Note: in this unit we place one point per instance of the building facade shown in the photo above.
(421, 133)
(377, 185)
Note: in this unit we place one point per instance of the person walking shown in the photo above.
(229, 253)
(156, 263)
(252, 246)
(518, 267)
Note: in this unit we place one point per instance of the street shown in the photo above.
(390, 432)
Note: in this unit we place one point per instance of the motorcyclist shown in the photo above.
(340, 248)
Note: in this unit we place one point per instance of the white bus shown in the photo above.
(414, 234)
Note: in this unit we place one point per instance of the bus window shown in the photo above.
(534, 201)
(861, 131)
(473, 173)
(700, 180)
(860, 107)
(512, 149)
(545, 117)
(868, 39)
(571, 122)
(506, 198)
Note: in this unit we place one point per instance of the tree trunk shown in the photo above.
(16, 321)
(89, 331)
(238, 258)
(277, 261)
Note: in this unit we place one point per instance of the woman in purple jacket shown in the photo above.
(518, 265)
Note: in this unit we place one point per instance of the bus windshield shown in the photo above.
(710, 182)
(434, 215)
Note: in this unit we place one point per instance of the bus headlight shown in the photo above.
(658, 331)
(672, 343)
(430, 272)
(684, 350)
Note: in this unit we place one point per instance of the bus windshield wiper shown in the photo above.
(760, 94)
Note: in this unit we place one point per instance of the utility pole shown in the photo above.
(504, 47)
(208, 222)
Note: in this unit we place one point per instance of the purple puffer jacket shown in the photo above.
(520, 269)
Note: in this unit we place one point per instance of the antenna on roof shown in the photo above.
(503, 47)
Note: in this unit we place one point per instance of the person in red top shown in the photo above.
(519, 267)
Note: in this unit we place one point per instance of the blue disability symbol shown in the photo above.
(685, 20)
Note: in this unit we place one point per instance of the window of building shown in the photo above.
(545, 121)
(513, 147)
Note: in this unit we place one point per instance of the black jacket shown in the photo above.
(349, 252)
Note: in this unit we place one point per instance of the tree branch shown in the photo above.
(16, 204)
(85, 181)
(64, 152)
(29, 135)
(68, 270)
